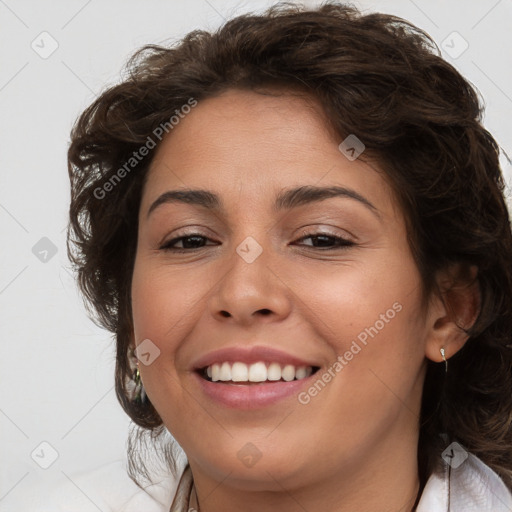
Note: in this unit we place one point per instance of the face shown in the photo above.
(319, 286)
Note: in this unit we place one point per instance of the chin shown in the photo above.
(253, 469)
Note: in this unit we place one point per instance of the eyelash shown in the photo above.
(343, 242)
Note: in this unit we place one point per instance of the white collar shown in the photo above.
(471, 487)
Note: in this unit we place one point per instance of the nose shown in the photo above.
(251, 291)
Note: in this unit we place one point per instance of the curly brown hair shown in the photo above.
(377, 76)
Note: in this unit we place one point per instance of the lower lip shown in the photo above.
(251, 396)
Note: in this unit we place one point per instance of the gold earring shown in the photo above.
(140, 392)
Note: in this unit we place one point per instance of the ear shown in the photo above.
(455, 307)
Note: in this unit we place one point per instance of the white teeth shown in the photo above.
(288, 373)
(239, 372)
(300, 372)
(274, 371)
(225, 372)
(257, 372)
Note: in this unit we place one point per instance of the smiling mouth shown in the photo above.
(238, 373)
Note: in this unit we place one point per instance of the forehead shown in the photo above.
(247, 143)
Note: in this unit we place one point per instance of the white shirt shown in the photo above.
(472, 487)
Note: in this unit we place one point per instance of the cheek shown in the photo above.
(160, 299)
(371, 320)
(164, 309)
(379, 300)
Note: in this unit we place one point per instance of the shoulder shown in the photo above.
(472, 486)
(107, 488)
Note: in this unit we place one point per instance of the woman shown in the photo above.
(295, 227)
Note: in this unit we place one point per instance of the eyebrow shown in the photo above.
(285, 200)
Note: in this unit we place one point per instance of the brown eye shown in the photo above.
(189, 242)
(326, 241)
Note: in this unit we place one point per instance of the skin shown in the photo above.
(353, 446)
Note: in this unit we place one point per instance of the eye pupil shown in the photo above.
(325, 238)
(198, 240)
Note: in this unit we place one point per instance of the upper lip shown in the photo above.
(249, 355)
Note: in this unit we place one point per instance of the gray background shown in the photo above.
(57, 366)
